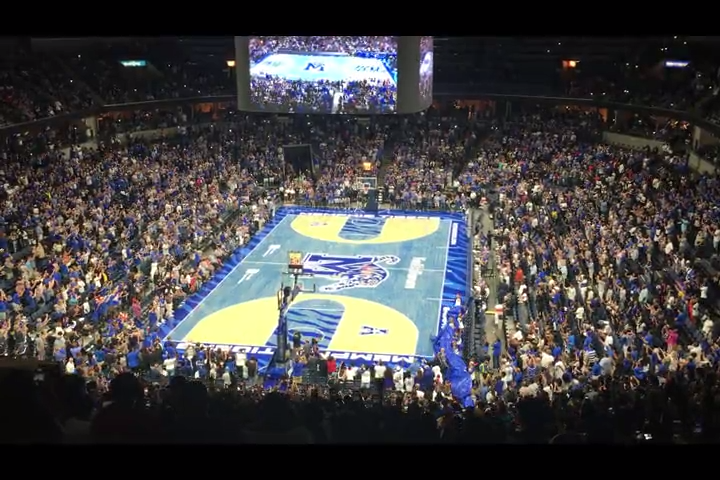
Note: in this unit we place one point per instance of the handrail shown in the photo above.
(456, 91)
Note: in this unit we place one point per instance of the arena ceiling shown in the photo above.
(518, 59)
(458, 60)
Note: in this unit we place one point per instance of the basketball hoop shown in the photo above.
(295, 263)
(365, 184)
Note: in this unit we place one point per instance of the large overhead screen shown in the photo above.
(334, 74)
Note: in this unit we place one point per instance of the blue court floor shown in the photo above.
(374, 286)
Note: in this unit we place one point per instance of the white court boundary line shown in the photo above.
(391, 269)
(242, 262)
(442, 286)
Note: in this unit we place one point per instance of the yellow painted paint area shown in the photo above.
(254, 322)
(401, 333)
(395, 230)
(246, 323)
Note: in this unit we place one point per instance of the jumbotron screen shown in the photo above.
(324, 74)
(426, 70)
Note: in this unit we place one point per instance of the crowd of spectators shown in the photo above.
(40, 85)
(36, 87)
(261, 47)
(115, 83)
(605, 269)
(669, 131)
(90, 271)
(428, 150)
(711, 153)
(607, 264)
(653, 86)
(272, 93)
(693, 88)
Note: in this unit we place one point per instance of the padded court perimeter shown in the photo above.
(380, 283)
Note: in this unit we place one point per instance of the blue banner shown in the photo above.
(456, 290)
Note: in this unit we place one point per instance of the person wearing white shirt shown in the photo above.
(508, 369)
(170, 363)
(70, 366)
(227, 380)
(707, 326)
(409, 382)
(437, 373)
(241, 358)
(350, 373)
(518, 335)
(398, 379)
(153, 270)
(240, 361)
(365, 378)
(548, 389)
(606, 364)
(546, 360)
(669, 248)
(380, 371)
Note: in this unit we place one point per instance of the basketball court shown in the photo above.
(373, 285)
(328, 66)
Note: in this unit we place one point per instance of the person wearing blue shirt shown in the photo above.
(230, 365)
(485, 350)
(75, 352)
(133, 359)
(496, 352)
(499, 387)
(60, 355)
(427, 379)
(99, 355)
(483, 392)
(556, 351)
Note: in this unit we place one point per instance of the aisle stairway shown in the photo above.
(386, 157)
(488, 330)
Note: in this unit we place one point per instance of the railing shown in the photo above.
(441, 91)
(470, 318)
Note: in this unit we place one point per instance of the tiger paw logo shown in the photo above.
(349, 271)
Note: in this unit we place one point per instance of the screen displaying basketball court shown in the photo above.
(374, 286)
